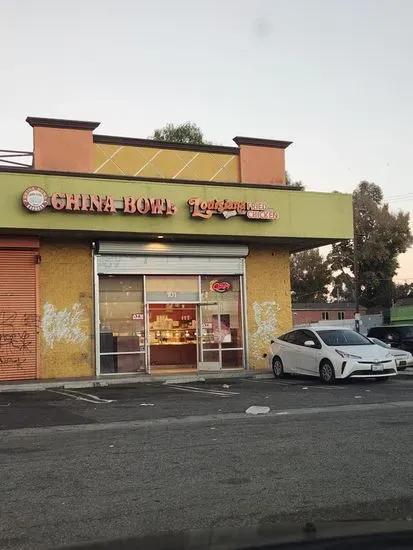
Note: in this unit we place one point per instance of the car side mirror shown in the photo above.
(309, 343)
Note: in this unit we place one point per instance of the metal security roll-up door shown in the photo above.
(18, 314)
(170, 259)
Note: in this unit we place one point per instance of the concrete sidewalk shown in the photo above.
(105, 381)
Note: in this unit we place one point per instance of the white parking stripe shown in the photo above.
(79, 396)
(207, 392)
(224, 392)
(90, 396)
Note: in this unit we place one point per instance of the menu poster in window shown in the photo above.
(223, 336)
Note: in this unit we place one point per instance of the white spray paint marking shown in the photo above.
(265, 314)
(79, 396)
(63, 325)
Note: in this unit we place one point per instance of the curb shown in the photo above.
(23, 387)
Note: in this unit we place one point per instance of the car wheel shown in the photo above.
(327, 374)
(277, 367)
(382, 379)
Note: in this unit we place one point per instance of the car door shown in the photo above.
(307, 358)
(287, 351)
(297, 352)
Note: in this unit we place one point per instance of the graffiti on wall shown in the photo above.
(265, 317)
(17, 338)
(63, 325)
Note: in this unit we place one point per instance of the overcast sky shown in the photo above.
(334, 77)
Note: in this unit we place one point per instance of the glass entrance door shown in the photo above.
(210, 337)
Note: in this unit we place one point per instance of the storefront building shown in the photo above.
(124, 256)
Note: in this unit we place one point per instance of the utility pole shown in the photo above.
(356, 272)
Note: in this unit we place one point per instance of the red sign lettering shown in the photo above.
(229, 209)
(220, 286)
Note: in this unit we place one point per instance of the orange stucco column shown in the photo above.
(62, 145)
(262, 160)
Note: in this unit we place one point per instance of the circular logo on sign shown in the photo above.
(35, 199)
(220, 286)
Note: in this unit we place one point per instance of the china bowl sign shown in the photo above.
(35, 199)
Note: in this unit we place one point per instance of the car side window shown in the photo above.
(391, 336)
(290, 337)
(300, 338)
(311, 336)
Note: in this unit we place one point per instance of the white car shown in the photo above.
(403, 358)
(330, 353)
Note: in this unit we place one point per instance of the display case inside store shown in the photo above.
(173, 335)
(172, 324)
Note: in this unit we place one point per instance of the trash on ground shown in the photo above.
(304, 388)
(111, 446)
(225, 386)
(257, 410)
(357, 397)
(146, 405)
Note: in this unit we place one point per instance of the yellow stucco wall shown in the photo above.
(153, 162)
(66, 310)
(268, 300)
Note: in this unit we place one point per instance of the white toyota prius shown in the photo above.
(330, 353)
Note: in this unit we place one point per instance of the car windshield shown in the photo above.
(343, 338)
(379, 343)
(406, 332)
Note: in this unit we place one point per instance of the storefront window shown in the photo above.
(122, 324)
(191, 322)
(226, 292)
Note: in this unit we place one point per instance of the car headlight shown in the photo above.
(347, 355)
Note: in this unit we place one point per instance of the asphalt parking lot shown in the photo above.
(151, 459)
(62, 407)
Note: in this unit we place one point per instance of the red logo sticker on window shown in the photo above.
(220, 286)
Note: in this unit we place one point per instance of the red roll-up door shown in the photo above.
(18, 314)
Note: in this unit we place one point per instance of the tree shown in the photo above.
(403, 291)
(291, 182)
(381, 236)
(310, 277)
(187, 132)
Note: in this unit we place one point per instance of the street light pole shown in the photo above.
(356, 273)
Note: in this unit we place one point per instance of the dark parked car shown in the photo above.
(397, 336)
